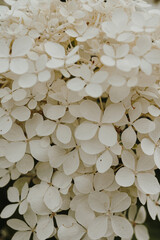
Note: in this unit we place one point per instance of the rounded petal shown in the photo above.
(21, 113)
(99, 202)
(107, 61)
(76, 84)
(94, 90)
(5, 124)
(148, 183)
(107, 135)
(147, 146)
(144, 125)
(9, 210)
(27, 80)
(128, 138)
(63, 133)
(17, 224)
(21, 46)
(13, 194)
(15, 151)
(98, 227)
(86, 131)
(113, 113)
(19, 66)
(54, 112)
(71, 162)
(90, 110)
(141, 232)
(83, 184)
(104, 162)
(54, 49)
(125, 177)
(116, 80)
(4, 65)
(120, 201)
(122, 227)
(157, 157)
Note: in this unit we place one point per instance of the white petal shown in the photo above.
(94, 90)
(125, 177)
(103, 180)
(83, 184)
(56, 156)
(153, 56)
(45, 227)
(71, 60)
(154, 111)
(145, 163)
(15, 151)
(90, 110)
(128, 138)
(38, 151)
(71, 162)
(107, 135)
(126, 37)
(55, 63)
(63, 133)
(99, 202)
(109, 50)
(92, 146)
(99, 77)
(13, 194)
(54, 112)
(21, 46)
(146, 67)
(21, 113)
(117, 94)
(4, 48)
(4, 65)
(122, 50)
(113, 113)
(86, 131)
(148, 183)
(15, 133)
(141, 232)
(46, 128)
(72, 232)
(144, 125)
(44, 171)
(157, 157)
(22, 235)
(54, 49)
(104, 162)
(36, 199)
(27, 80)
(135, 111)
(84, 210)
(60, 180)
(147, 146)
(116, 80)
(121, 227)
(5, 124)
(44, 76)
(141, 216)
(107, 61)
(120, 201)
(9, 210)
(17, 224)
(30, 218)
(75, 84)
(19, 66)
(98, 227)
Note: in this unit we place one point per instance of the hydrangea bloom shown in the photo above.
(80, 118)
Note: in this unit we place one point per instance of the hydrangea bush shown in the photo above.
(80, 118)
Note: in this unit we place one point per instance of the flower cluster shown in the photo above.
(80, 117)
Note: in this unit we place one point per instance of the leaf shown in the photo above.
(121, 227)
